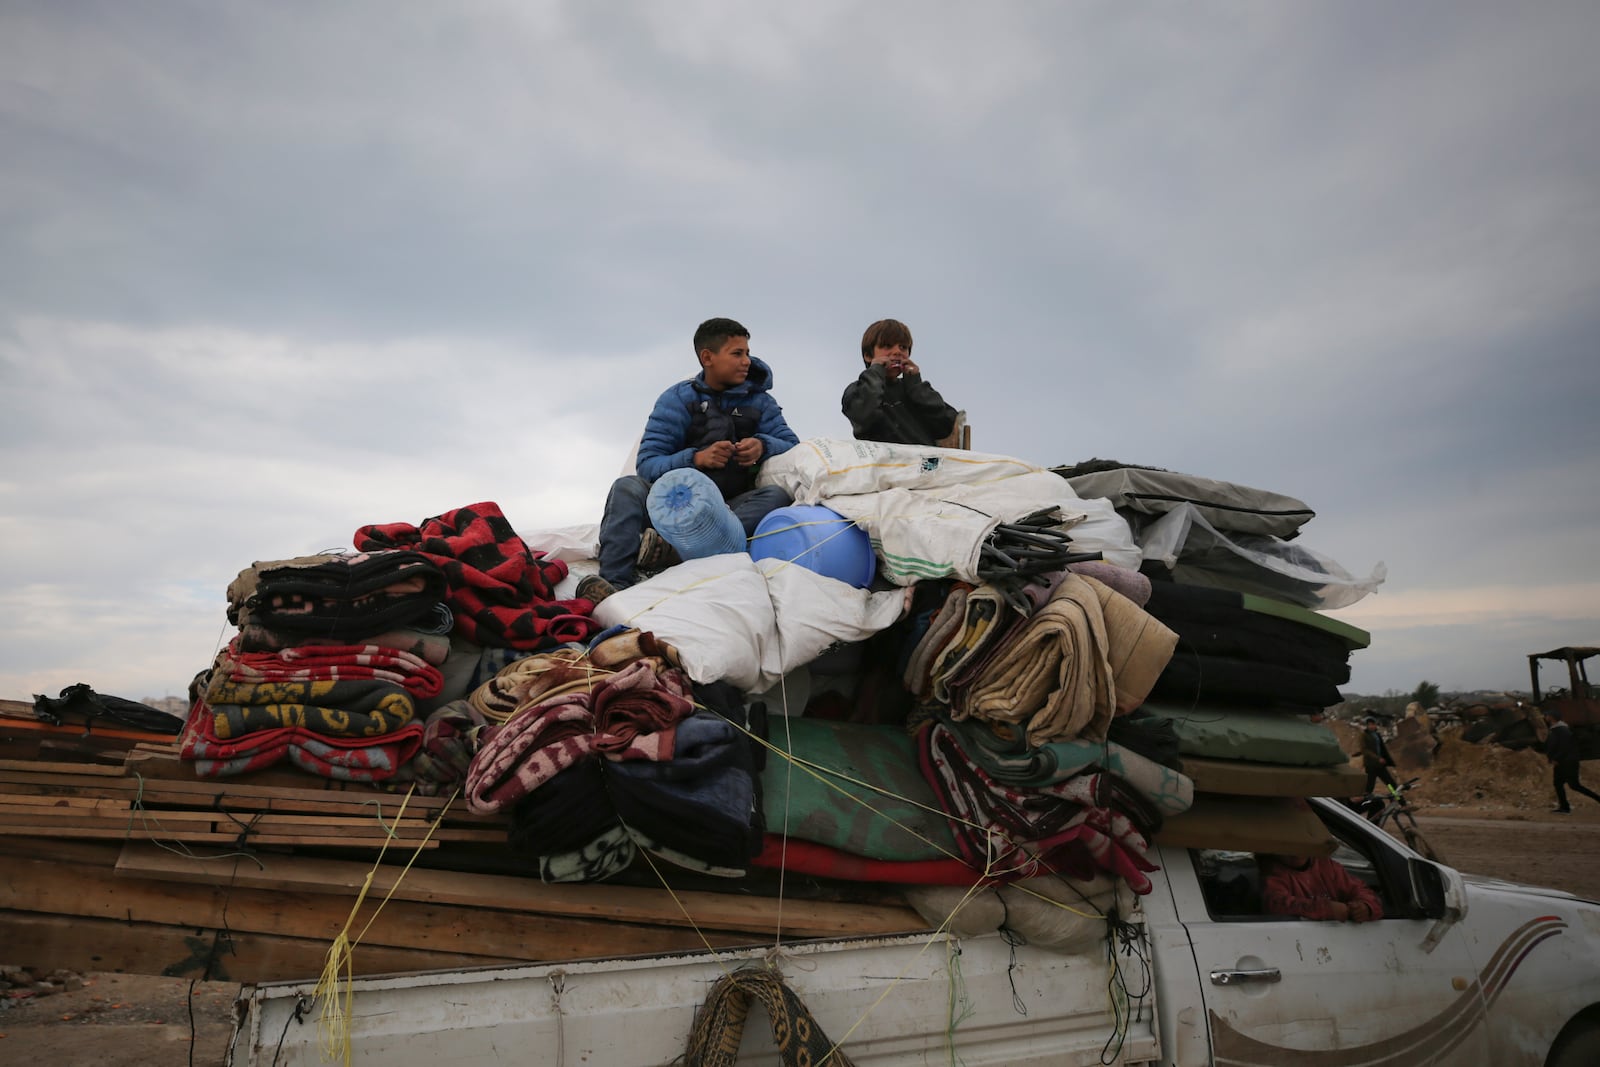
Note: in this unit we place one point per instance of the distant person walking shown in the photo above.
(1561, 749)
(1375, 758)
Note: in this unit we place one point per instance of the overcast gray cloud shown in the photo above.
(269, 272)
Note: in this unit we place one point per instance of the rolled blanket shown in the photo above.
(1131, 584)
(350, 759)
(1052, 676)
(1010, 833)
(333, 709)
(623, 644)
(1005, 755)
(449, 741)
(1033, 597)
(983, 610)
(1138, 645)
(533, 679)
(946, 623)
(636, 709)
(520, 755)
(500, 591)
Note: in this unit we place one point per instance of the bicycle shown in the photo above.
(1395, 809)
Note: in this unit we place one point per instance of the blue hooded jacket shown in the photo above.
(691, 415)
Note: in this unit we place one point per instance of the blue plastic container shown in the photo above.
(818, 539)
(687, 509)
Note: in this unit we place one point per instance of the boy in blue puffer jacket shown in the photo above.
(723, 422)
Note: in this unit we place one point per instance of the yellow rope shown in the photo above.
(338, 970)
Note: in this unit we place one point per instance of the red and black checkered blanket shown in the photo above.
(500, 590)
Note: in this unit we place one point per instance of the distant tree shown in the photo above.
(1426, 694)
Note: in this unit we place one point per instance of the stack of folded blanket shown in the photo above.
(1081, 654)
(333, 653)
(602, 753)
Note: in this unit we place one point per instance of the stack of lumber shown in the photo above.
(140, 866)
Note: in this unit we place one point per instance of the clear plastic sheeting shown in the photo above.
(1198, 553)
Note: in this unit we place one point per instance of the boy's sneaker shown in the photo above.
(655, 554)
(594, 588)
(1560, 811)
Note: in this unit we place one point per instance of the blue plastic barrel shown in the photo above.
(687, 509)
(818, 539)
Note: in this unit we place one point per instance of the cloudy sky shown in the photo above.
(271, 272)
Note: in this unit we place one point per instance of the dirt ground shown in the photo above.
(1485, 809)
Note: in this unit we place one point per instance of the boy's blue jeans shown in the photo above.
(627, 516)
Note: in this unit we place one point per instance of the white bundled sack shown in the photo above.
(929, 510)
(736, 620)
(822, 467)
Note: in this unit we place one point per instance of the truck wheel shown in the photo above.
(1580, 1048)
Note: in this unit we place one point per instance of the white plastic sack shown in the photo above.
(1198, 553)
(747, 623)
(929, 510)
(825, 467)
(937, 533)
(570, 543)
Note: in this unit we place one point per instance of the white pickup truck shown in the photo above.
(1462, 972)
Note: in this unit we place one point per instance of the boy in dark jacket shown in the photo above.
(723, 422)
(889, 401)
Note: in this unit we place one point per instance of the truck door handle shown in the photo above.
(1263, 974)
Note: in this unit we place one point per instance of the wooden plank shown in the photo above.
(55, 767)
(196, 837)
(711, 911)
(1249, 824)
(224, 792)
(1240, 778)
(49, 942)
(88, 891)
(258, 823)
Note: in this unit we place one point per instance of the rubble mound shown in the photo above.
(1468, 775)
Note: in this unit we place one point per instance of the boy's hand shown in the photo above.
(714, 456)
(909, 367)
(748, 452)
(1341, 911)
(1360, 912)
(892, 363)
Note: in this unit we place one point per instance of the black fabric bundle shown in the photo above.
(338, 596)
(702, 802)
(81, 701)
(565, 813)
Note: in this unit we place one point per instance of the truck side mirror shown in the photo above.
(1436, 891)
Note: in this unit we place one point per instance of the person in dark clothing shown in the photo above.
(890, 401)
(723, 422)
(1561, 749)
(1375, 758)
